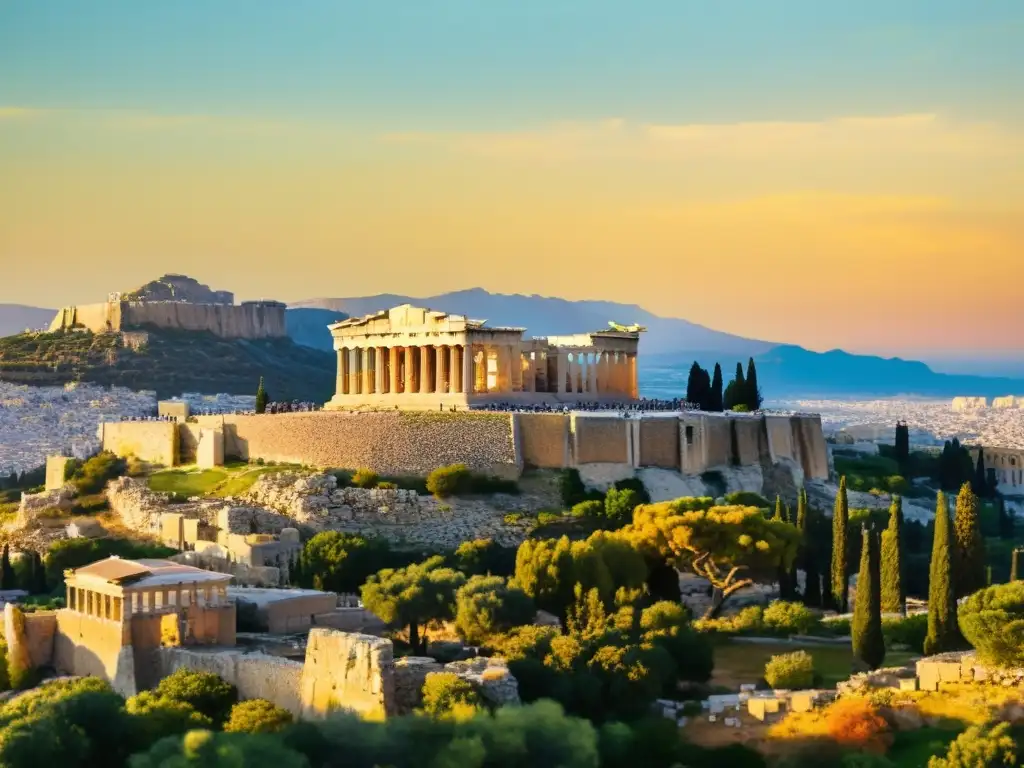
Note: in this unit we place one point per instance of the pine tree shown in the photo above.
(1015, 565)
(840, 567)
(7, 577)
(893, 597)
(261, 398)
(969, 557)
(753, 398)
(715, 401)
(981, 475)
(943, 633)
(866, 627)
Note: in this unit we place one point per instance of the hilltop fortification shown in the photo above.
(176, 302)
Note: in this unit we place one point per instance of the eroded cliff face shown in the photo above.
(173, 287)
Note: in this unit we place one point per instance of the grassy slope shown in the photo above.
(174, 362)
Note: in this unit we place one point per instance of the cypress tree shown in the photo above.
(261, 398)
(981, 475)
(753, 398)
(969, 565)
(812, 580)
(778, 509)
(39, 585)
(716, 400)
(1005, 521)
(1015, 565)
(840, 567)
(866, 627)
(902, 444)
(7, 578)
(693, 384)
(736, 392)
(893, 598)
(943, 633)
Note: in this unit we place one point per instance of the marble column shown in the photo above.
(425, 379)
(503, 361)
(592, 373)
(440, 358)
(367, 383)
(410, 370)
(339, 384)
(393, 372)
(634, 383)
(378, 369)
(455, 377)
(530, 372)
(562, 371)
(353, 371)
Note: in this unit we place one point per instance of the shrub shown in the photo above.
(791, 671)
(486, 605)
(547, 518)
(448, 481)
(94, 473)
(855, 724)
(909, 631)
(590, 509)
(207, 693)
(159, 716)
(786, 618)
(619, 505)
(636, 485)
(992, 620)
(445, 693)
(257, 716)
(365, 478)
(571, 488)
(489, 484)
(747, 499)
(748, 621)
(980, 747)
(387, 485)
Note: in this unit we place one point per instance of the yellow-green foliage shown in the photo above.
(791, 671)
(448, 481)
(992, 620)
(980, 747)
(365, 478)
(748, 621)
(257, 716)
(789, 618)
(447, 694)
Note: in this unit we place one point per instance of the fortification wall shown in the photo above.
(544, 439)
(256, 675)
(751, 440)
(389, 443)
(155, 442)
(810, 447)
(600, 440)
(254, 320)
(40, 629)
(347, 671)
(716, 436)
(85, 645)
(659, 443)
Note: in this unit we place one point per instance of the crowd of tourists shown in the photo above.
(644, 405)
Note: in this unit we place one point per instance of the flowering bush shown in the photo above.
(855, 724)
(791, 671)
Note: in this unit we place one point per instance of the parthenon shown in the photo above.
(416, 358)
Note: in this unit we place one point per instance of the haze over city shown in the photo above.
(827, 176)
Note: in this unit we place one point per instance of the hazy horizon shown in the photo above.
(832, 177)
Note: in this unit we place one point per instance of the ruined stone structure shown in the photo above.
(177, 302)
(1008, 466)
(416, 358)
(118, 610)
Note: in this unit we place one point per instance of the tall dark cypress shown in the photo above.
(716, 400)
(981, 476)
(902, 444)
(1015, 571)
(7, 577)
(943, 632)
(805, 555)
(39, 586)
(893, 596)
(693, 384)
(840, 566)
(754, 398)
(261, 398)
(1005, 521)
(866, 626)
(969, 552)
(778, 509)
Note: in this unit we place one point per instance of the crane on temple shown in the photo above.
(635, 328)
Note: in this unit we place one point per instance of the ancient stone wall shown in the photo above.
(387, 442)
(600, 440)
(188, 440)
(810, 448)
(716, 437)
(256, 675)
(544, 439)
(659, 443)
(56, 467)
(85, 645)
(347, 672)
(40, 628)
(155, 442)
(251, 320)
(751, 444)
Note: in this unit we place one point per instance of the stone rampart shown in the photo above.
(346, 671)
(659, 443)
(544, 439)
(250, 320)
(155, 442)
(40, 628)
(85, 645)
(600, 440)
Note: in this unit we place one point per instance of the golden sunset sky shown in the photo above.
(851, 177)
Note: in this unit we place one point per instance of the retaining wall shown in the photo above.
(155, 442)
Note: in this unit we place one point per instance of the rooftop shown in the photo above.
(145, 573)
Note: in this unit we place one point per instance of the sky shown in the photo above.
(841, 174)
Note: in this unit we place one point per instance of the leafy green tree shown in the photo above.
(840, 553)
(969, 565)
(981, 746)
(894, 598)
(341, 562)
(716, 400)
(725, 545)
(157, 717)
(753, 392)
(866, 627)
(261, 398)
(414, 595)
(619, 505)
(207, 749)
(992, 621)
(205, 692)
(257, 716)
(487, 605)
(445, 693)
(7, 577)
(942, 620)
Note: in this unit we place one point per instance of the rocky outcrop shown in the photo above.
(179, 288)
(33, 505)
(491, 677)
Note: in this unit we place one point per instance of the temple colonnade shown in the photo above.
(102, 605)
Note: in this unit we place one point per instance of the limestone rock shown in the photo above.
(491, 677)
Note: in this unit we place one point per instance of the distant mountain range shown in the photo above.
(669, 345)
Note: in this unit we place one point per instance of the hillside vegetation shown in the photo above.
(172, 363)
